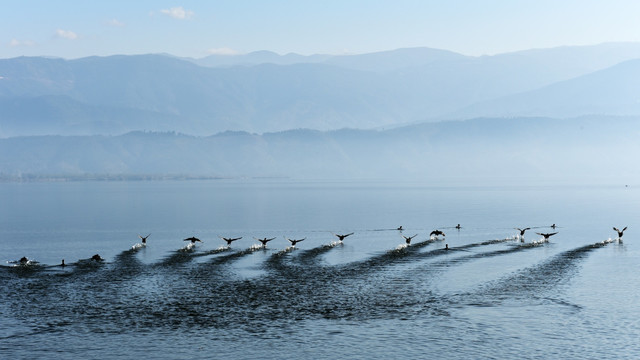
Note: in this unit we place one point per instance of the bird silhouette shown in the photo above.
(522, 230)
(264, 241)
(144, 238)
(620, 232)
(437, 233)
(546, 235)
(193, 239)
(230, 240)
(407, 239)
(342, 237)
(96, 257)
(295, 241)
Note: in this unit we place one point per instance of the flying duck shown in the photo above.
(144, 238)
(264, 241)
(407, 239)
(193, 239)
(295, 241)
(230, 240)
(546, 236)
(342, 237)
(620, 232)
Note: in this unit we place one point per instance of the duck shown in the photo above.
(295, 241)
(97, 257)
(230, 240)
(193, 239)
(407, 239)
(264, 241)
(342, 237)
(546, 235)
(620, 232)
(144, 238)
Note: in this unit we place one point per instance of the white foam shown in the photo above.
(138, 246)
(189, 247)
(541, 241)
(18, 263)
(607, 241)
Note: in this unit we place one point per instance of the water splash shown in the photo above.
(401, 247)
(138, 246)
(188, 247)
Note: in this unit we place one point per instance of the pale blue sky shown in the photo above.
(78, 28)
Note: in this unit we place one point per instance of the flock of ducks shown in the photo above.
(263, 241)
(434, 234)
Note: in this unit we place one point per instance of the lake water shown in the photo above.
(489, 296)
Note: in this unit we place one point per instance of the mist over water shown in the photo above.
(490, 295)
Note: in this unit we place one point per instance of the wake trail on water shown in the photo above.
(125, 293)
(280, 261)
(403, 254)
(488, 254)
(533, 282)
(230, 257)
(386, 291)
(183, 255)
(432, 269)
(311, 256)
(483, 243)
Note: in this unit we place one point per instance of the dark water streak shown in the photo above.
(175, 293)
(532, 283)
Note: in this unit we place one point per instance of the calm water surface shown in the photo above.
(491, 295)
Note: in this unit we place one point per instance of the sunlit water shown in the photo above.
(492, 295)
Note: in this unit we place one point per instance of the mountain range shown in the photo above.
(263, 92)
(491, 150)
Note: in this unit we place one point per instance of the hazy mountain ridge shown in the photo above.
(116, 94)
(612, 91)
(24, 115)
(200, 100)
(580, 59)
(520, 148)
